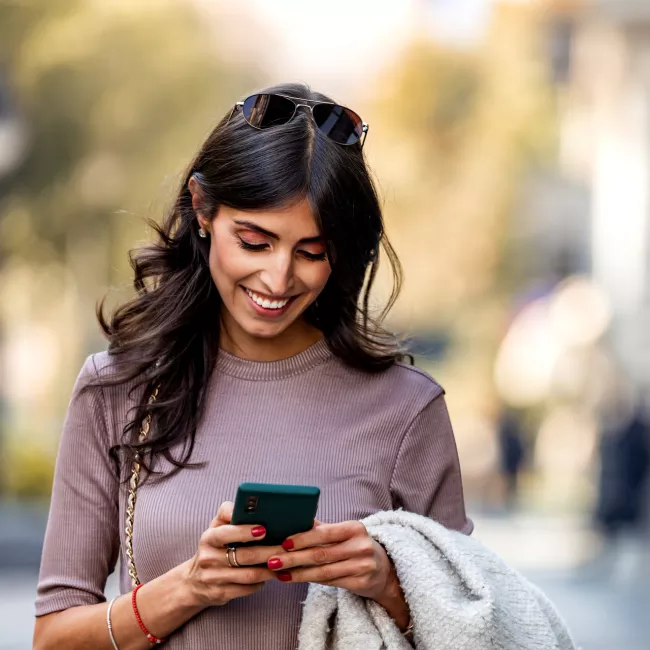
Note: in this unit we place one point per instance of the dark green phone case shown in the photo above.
(284, 510)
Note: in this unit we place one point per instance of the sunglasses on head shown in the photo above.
(338, 123)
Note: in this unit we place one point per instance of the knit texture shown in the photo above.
(460, 594)
(370, 442)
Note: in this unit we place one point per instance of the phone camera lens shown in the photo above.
(251, 504)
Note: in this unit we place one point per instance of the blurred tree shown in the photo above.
(458, 130)
(115, 97)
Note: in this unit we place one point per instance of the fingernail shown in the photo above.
(258, 531)
(284, 576)
(274, 563)
(287, 545)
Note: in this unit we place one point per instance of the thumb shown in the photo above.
(224, 514)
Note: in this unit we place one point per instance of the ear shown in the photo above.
(198, 203)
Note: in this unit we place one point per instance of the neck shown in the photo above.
(296, 338)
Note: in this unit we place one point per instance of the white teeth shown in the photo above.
(265, 302)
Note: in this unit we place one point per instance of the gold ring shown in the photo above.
(232, 559)
(228, 558)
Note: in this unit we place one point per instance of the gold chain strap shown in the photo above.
(133, 486)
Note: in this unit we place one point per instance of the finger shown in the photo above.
(241, 591)
(245, 576)
(224, 514)
(227, 534)
(329, 572)
(317, 555)
(325, 534)
(251, 555)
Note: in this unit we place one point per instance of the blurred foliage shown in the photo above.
(458, 131)
(115, 98)
(28, 468)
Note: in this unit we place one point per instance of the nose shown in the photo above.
(277, 274)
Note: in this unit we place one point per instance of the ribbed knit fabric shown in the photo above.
(370, 442)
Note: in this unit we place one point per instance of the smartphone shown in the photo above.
(284, 510)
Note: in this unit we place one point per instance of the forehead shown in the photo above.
(293, 220)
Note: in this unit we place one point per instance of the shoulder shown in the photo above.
(102, 364)
(88, 375)
(95, 367)
(95, 371)
(100, 388)
(104, 369)
(417, 380)
(400, 384)
(89, 385)
(99, 377)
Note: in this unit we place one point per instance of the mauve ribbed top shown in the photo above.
(370, 442)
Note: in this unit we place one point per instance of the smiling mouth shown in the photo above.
(270, 304)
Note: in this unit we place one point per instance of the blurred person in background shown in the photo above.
(247, 354)
(511, 454)
(624, 454)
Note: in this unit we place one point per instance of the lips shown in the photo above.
(267, 303)
(266, 306)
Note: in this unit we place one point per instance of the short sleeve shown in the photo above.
(427, 479)
(82, 537)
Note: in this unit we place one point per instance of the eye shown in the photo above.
(251, 247)
(314, 257)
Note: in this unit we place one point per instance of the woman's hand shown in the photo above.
(208, 577)
(340, 555)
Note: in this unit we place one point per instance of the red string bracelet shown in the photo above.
(152, 639)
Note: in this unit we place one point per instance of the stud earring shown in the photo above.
(202, 233)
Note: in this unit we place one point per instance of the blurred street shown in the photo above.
(605, 601)
(606, 606)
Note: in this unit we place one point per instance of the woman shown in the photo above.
(251, 320)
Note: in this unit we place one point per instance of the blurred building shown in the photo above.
(602, 66)
(600, 54)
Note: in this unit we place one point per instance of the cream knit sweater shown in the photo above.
(461, 597)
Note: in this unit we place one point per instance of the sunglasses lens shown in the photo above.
(338, 123)
(263, 111)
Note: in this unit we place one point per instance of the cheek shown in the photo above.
(316, 279)
(227, 266)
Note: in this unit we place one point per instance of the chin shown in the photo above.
(267, 334)
(264, 331)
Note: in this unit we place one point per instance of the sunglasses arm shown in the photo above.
(234, 108)
(365, 129)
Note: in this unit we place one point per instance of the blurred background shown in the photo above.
(511, 144)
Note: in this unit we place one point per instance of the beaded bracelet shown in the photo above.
(150, 637)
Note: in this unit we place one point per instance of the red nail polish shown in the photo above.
(284, 576)
(258, 531)
(274, 563)
(287, 545)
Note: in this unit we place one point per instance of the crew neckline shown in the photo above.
(309, 358)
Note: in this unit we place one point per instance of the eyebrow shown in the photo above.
(252, 226)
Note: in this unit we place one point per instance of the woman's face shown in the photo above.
(268, 266)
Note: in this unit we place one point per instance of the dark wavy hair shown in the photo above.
(167, 335)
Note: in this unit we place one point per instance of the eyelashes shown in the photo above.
(314, 257)
(256, 248)
(251, 247)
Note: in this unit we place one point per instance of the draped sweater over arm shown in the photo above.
(370, 441)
